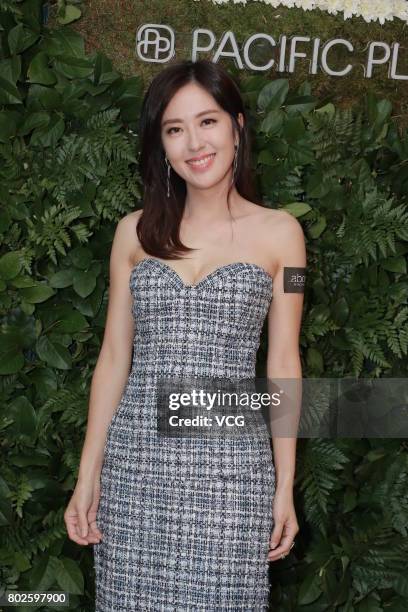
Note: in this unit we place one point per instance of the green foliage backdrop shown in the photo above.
(110, 26)
(68, 173)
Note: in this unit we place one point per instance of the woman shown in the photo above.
(180, 523)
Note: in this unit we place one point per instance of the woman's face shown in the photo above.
(195, 126)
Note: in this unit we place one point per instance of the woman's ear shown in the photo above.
(241, 123)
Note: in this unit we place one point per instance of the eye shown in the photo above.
(203, 121)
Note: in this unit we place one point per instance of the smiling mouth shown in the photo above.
(202, 162)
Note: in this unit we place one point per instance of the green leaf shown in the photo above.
(22, 459)
(53, 353)
(321, 313)
(11, 360)
(48, 136)
(299, 155)
(62, 279)
(293, 131)
(10, 265)
(384, 110)
(20, 38)
(267, 158)
(340, 311)
(314, 360)
(400, 586)
(81, 257)
(70, 577)
(273, 95)
(328, 109)
(23, 414)
(39, 71)
(297, 209)
(300, 104)
(32, 121)
(6, 509)
(72, 13)
(18, 330)
(375, 454)
(369, 604)
(7, 130)
(37, 294)
(317, 228)
(69, 42)
(349, 499)
(42, 575)
(317, 185)
(273, 122)
(21, 561)
(395, 264)
(73, 67)
(278, 148)
(84, 283)
(9, 94)
(71, 322)
(309, 589)
(6, 512)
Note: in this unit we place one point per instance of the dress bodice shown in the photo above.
(211, 328)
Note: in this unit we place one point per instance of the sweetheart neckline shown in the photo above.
(203, 280)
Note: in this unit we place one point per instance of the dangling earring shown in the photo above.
(235, 163)
(168, 175)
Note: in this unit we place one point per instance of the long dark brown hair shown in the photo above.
(159, 225)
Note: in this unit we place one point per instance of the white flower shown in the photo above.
(369, 10)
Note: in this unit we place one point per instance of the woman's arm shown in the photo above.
(284, 368)
(114, 361)
(283, 359)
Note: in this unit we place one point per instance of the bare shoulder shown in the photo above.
(130, 220)
(262, 216)
(280, 226)
(280, 220)
(127, 236)
(281, 237)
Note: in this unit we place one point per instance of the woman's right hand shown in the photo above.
(80, 514)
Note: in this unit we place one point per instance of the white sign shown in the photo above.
(157, 43)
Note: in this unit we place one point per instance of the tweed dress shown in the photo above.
(186, 522)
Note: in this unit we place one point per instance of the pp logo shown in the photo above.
(155, 42)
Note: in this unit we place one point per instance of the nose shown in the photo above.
(194, 142)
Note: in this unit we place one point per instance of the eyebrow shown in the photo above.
(206, 112)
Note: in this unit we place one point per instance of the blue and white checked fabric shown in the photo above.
(186, 522)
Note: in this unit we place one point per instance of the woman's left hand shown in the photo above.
(285, 524)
